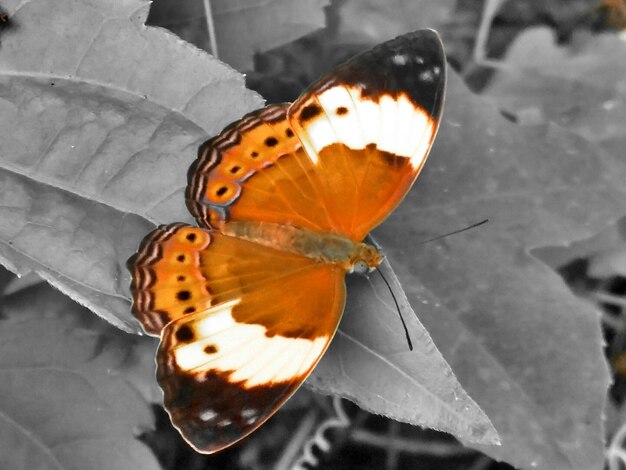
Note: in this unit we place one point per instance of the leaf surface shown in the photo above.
(242, 28)
(77, 232)
(372, 21)
(522, 345)
(98, 103)
(581, 87)
(71, 393)
(527, 351)
(369, 362)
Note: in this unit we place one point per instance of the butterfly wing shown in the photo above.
(242, 325)
(374, 120)
(341, 157)
(257, 170)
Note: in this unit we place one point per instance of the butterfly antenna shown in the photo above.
(477, 224)
(406, 331)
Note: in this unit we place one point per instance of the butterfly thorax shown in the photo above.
(325, 247)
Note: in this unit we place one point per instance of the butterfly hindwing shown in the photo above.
(242, 325)
(343, 155)
(222, 379)
(166, 279)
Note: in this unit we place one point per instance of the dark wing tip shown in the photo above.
(210, 411)
(414, 63)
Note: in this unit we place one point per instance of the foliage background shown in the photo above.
(91, 132)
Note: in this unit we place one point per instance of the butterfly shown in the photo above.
(246, 303)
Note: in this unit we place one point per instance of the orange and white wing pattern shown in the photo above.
(374, 120)
(242, 325)
(340, 158)
(242, 321)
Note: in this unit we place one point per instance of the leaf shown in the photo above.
(242, 28)
(18, 283)
(520, 343)
(245, 28)
(78, 232)
(604, 253)
(581, 87)
(92, 101)
(370, 363)
(69, 396)
(527, 350)
(372, 21)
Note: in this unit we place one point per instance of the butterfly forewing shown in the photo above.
(256, 169)
(339, 159)
(373, 121)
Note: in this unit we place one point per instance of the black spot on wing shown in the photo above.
(271, 141)
(184, 334)
(309, 112)
(183, 295)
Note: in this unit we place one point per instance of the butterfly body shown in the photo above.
(322, 247)
(247, 302)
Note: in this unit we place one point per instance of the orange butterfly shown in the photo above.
(247, 303)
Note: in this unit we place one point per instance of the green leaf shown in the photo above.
(92, 102)
(73, 392)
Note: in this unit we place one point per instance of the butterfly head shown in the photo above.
(365, 259)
